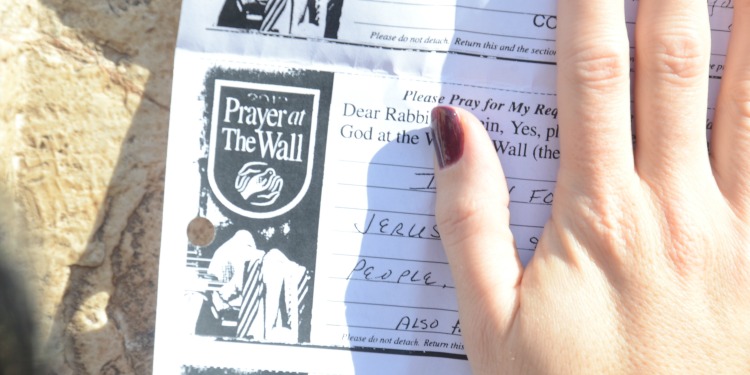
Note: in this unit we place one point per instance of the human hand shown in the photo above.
(644, 264)
(267, 182)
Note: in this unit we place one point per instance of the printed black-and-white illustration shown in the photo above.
(260, 132)
(315, 18)
(261, 181)
(263, 292)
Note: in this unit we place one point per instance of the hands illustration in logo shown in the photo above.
(264, 184)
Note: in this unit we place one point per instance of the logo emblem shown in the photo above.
(261, 146)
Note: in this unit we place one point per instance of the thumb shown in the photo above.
(474, 221)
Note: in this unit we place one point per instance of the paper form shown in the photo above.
(300, 129)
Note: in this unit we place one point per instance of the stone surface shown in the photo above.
(84, 109)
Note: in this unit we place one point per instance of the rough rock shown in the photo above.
(84, 109)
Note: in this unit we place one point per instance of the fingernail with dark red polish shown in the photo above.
(448, 134)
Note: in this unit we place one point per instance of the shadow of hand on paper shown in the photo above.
(399, 282)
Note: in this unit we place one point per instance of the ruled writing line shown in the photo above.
(398, 306)
(453, 30)
(432, 169)
(366, 209)
(436, 285)
(395, 330)
(390, 258)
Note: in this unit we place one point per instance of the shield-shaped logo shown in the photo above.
(261, 146)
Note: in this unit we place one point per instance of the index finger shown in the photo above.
(593, 94)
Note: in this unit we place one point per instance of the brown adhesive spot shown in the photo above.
(201, 231)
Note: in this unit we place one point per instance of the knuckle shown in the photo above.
(686, 262)
(600, 66)
(610, 220)
(685, 251)
(683, 233)
(679, 56)
(458, 222)
(612, 225)
(605, 222)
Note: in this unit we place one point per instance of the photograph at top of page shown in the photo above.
(315, 18)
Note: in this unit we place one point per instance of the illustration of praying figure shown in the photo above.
(264, 292)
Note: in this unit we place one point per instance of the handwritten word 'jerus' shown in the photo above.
(386, 226)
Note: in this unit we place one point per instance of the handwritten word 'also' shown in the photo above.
(414, 323)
